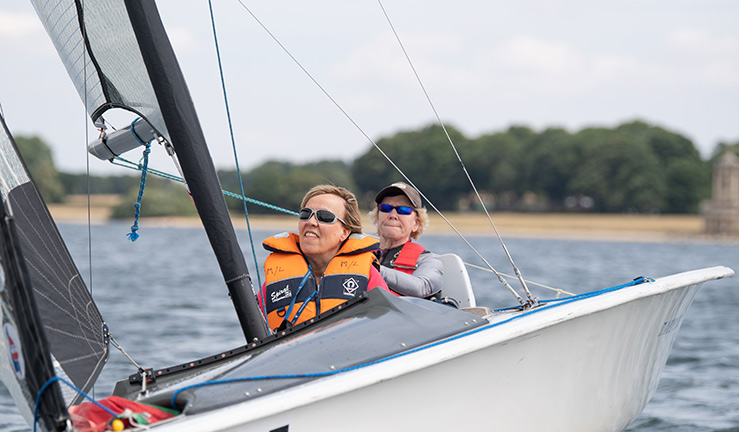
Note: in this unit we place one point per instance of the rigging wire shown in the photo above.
(359, 128)
(233, 144)
(87, 166)
(119, 347)
(532, 301)
(87, 154)
(559, 291)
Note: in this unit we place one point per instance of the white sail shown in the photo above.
(99, 50)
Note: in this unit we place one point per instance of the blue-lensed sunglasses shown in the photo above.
(401, 210)
(322, 216)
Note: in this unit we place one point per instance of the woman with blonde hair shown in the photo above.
(328, 261)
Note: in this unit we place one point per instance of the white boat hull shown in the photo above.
(587, 365)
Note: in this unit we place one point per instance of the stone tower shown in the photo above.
(722, 212)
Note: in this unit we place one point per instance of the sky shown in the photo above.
(485, 66)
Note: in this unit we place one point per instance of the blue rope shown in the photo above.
(233, 145)
(125, 163)
(302, 306)
(295, 297)
(133, 235)
(51, 381)
(261, 203)
(636, 281)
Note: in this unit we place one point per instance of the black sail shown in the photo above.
(30, 367)
(55, 317)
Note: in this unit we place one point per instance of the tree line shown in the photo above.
(633, 167)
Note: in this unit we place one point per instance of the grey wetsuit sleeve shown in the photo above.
(425, 280)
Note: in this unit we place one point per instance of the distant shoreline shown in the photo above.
(575, 226)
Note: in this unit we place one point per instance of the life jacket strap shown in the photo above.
(408, 257)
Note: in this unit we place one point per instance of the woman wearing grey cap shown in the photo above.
(407, 267)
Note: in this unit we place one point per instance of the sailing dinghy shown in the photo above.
(485, 370)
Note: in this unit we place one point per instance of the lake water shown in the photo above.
(165, 303)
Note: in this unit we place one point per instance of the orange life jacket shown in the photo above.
(290, 288)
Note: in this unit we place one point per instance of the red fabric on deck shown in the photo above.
(88, 417)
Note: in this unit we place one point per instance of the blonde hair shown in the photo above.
(421, 215)
(352, 218)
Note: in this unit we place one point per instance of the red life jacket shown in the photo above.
(286, 270)
(408, 257)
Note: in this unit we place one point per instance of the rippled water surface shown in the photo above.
(165, 303)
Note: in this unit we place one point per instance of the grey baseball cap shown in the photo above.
(400, 188)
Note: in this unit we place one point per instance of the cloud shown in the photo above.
(380, 73)
(519, 67)
(687, 57)
(700, 42)
(529, 67)
(23, 34)
(704, 58)
(532, 55)
(183, 40)
(17, 25)
(379, 58)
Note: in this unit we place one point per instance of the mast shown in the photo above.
(188, 140)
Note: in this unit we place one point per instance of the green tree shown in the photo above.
(161, 198)
(686, 175)
(618, 173)
(40, 162)
(689, 182)
(79, 183)
(494, 162)
(371, 171)
(284, 184)
(334, 172)
(632, 167)
(550, 164)
(667, 146)
(425, 156)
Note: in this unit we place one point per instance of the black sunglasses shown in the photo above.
(322, 216)
(402, 210)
